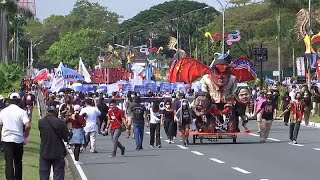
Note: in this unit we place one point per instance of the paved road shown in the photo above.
(246, 160)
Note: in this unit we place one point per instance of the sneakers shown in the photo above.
(112, 156)
(93, 151)
(294, 142)
(78, 163)
(185, 143)
(152, 146)
(159, 146)
(123, 150)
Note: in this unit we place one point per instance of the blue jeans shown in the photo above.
(138, 130)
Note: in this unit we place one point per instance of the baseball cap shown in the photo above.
(15, 96)
(76, 107)
(52, 108)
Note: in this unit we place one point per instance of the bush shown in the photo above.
(10, 77)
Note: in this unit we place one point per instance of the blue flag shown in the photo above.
(71, 75)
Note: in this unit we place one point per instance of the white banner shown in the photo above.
(83, 70)
(301, 71)
(58, 80)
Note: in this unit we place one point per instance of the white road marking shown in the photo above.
(300, 145)
(197, 153)
(272, 139)
(241, 170)
(317, 149)
(82, 174)
(264, 179)
(217, 160)
(147, 132)
(182, 147)
(254, 134)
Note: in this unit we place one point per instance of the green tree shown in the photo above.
(10, 76)
(73, 46)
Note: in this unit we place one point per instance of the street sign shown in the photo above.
(260, 54)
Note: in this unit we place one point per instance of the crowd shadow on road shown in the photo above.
(103, 163)
(215, 143)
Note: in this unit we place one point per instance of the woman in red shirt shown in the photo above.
(116, 120)
(77, 139)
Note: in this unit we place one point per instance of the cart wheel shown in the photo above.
(234, 140)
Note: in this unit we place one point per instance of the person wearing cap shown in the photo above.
(53, 131)
(267, 110)
(220, 82)
(78, 134)
(14, 127)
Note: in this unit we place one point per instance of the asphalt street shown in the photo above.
(220, 160)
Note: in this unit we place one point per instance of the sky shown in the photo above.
(126, 8)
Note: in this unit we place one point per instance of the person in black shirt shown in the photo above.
(167, 119)
(139, 113)
(149, 93)
(103, 108)
(267, 109)
(285, 102)
(307, 100)
(183, 118)
(53, 131)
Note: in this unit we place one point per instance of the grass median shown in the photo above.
(31, 152)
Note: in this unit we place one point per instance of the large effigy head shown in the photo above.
(202, 101)
(243, 94)
(221, 71)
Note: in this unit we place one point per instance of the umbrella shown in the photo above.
(64, 89)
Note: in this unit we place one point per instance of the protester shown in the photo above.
(257, 108)
(315, 100)
(129, 113)
(91, 113)
(168, 120)
(267, 116)
(14, 128)
(297, 108)
(183, 119)
(155, 123)
(307, 100)
(53, 131)
(116, 120)
(286, 99)
(29, 101)
(139, 118)
(103, 108)
(77, 139)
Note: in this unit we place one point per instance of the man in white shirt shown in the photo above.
(91, 113)
(15, 127)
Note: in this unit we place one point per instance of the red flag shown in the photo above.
(41, 75)
(186, 70)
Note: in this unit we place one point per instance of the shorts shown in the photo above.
(259, 116)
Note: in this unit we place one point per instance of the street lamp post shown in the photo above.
(223, 24)
(310, 33)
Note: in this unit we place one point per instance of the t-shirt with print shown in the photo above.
(267, 110)
(138, 111)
